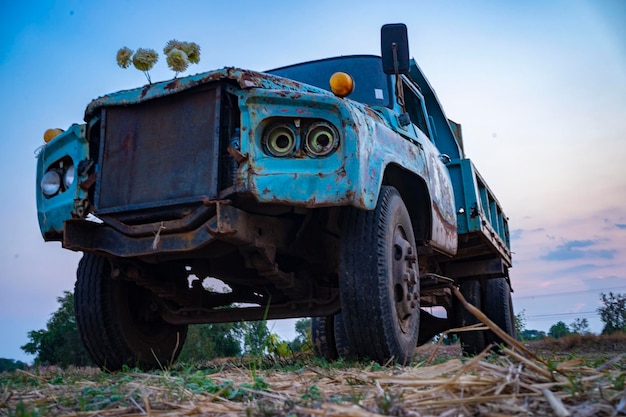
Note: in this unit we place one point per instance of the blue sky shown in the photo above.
(539, 87)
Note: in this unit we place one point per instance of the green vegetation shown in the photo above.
(208, 341)
(59, 343)
(613, 312)
(8, 365)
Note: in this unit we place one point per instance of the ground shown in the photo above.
(579, 376)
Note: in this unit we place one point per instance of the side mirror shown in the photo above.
(394, 45)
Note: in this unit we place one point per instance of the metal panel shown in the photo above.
(177, 135)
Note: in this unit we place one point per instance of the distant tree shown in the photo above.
(302, 340)
(520, 322)
(10, 365)
(613, 312)
(532, 334)
(580, 326)
(208, 341)
(558, 330)
(255, 336)
(59, 343)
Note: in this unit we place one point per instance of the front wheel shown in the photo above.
(379, 280)
(119, 322)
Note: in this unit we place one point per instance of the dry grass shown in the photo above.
(488, 385)
(538, 380)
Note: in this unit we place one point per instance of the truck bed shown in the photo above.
(482, 225)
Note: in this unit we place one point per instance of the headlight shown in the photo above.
(51, 183)
(280, 140)
(68, 178)
(321, 139)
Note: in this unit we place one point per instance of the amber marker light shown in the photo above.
(341, 84)
(51, 134)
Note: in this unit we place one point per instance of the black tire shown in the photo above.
(474, 342)
(329, 338)
(341, 338)
(499, 308)
(323, 337)
(118, 321)
(379, 280)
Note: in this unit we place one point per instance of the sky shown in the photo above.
(539, 87)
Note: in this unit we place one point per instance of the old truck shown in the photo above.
(335, 189)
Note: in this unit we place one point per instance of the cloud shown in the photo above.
(517, 233)
(578, 249)
(620, 226)
(582, 269)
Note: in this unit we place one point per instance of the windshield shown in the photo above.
(371, 84)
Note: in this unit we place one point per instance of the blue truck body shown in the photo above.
(248, 177)
(351, 176)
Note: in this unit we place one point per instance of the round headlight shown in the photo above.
(68, 178)
(321, 139)
(280, 140)
(50, 183)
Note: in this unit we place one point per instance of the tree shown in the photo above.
(9, 365)
(580, 326)
(613, 312)
(520, 322)
(302, 340)
(59, 343)
(558, 330)
(208, 341)
(255, 337)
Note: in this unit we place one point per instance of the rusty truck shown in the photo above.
(336, 189)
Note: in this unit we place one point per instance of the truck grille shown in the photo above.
(160, 152)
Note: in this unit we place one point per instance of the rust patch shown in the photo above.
(173, 85)
(374, 115)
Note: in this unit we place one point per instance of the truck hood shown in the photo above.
(245, 79)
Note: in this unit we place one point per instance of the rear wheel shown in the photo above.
(119, 322)
(341, 338)
(323, 337)
(328, 335)
(379, 280)
(472, 342)
(499, 308)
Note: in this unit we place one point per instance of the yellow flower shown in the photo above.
(144, 59)
(123, 57)
(173, 44)
(177, 60)
(191, 49)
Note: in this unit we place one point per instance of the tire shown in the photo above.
(118, 321)
(323, 337)
(474, 342)
(499, 308)
(328, 335)
(341, 338)
(379, 281)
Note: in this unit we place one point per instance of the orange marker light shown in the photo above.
(341, 84)
(51, 134)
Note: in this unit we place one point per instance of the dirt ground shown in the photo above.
(579, 376)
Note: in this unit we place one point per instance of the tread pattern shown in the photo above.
(499, 307)
(366, 302)
(472, 343)
(105, 327)
(323, 337)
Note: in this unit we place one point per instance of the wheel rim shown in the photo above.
(404, 278)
